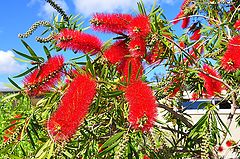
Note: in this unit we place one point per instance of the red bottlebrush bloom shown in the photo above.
(145, 157)
(155, 53)
(196, 35)
(185, 22)
(180, 15)
(237, 25)
(133, 64)
(116, 52)
(78, 41)
(137, 47)
(142, 105)
(41, 80)
(230, 143)
(220, 149)
(116, 23)
(139, 26)
(182, 44)
(230, 60)
(10, 130)
(74, 105)
(211, 85)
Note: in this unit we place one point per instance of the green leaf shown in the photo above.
(67, 154)
(41, 153)
(13, 83)
(50, 151)
(25, 73)
(108, 149)
(30, 137)
(47, 52)
(30, 50)
(113, 139)
(90, 66)
(25, 55)
(10, 96)
(113, 94)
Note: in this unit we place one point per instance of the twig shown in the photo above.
(231, 114)
(177, 115)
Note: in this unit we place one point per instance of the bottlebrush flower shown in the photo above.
(116, 52)
(153, 56)
(180, 15)
(142, 105)
(11, 129)
(220, 149)
(78, 41)
(182, 44)
(237, 25)
(185, 22)
(211, 85)
(139, 26)
(133, 64)
(230, 60)
(116, 23)
(41, 80)
(230, 143)
(145, 157)
(74, 105)
(196, 35)
(137, 47)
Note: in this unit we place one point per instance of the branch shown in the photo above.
(231, 114)
(177, 115)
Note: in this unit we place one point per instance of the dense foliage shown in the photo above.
(102, 103)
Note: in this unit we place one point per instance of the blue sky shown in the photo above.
(16, 17)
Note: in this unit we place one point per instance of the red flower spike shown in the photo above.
(182, 44)
(211, 85)
(230, 60)
(155, 53)
(136, 69)
(41, 80)
(11, 129)
(145, 157)
(78, 41)
(220, 149)
(139, 26)
(142, 105)
(115, 23)
(237, 25)
(74, 105)
(230, 143)
(180, 15)
(116, 52)
(137, 47)
(185, 22)
(196, 35)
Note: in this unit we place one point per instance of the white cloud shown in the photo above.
(46, 11)
(88, 7)
(8, 65)
(171, 2)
